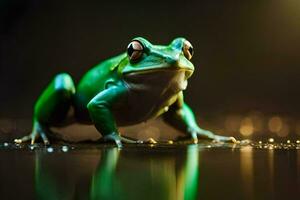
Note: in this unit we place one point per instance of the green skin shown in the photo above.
(120, 91)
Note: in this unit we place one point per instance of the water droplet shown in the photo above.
(151, 141)
(259, 142)
(31, 147)
(298, 141)
(50, 149)
(166, 108)
(288, 141)
(5, 144)
(170, 142)
(64, 148)
(271, 140)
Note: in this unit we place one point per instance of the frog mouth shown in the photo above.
(157, 69)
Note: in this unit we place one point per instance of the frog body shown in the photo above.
(145, 82)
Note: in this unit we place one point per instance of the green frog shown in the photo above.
(145, 82)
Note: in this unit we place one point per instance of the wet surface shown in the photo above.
(258, 170)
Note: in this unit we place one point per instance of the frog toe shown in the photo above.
(113, 137)
(31, 137)
(130, 140)
(219, 138)
(23, 139)
(187, 139)
(118, 139)
(44, 138)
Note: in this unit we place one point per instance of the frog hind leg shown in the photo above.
(51, 108)
(181, 116)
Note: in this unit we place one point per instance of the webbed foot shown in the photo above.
(198, 133)
(230, 139)
(38, 131)
(118, 139)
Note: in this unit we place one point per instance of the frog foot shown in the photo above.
(38, 131)
(118, 139)
(205, 134)
(187, 139)
(219, 138)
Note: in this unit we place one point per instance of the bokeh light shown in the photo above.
(150, 132)
(232, 123)
(297, 128)
(246, 127)
(275, 124)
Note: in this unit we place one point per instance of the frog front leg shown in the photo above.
(100, 110)
(181, 116)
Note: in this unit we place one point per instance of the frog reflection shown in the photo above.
(64, 176)
(119, 175)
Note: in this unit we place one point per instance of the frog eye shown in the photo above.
(135, 50)
(188, 50)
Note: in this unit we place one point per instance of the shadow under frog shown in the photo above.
(119, 175)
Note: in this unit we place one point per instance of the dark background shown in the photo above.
(246, 52)
(246, 58)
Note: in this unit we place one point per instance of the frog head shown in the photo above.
(146, 58)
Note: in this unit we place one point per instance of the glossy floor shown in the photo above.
(203, 171)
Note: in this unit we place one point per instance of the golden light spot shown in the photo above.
(170, 142)
(271, 140)
(258, 120)
(288, 141)
(246, 166)
(151, 141)
(297, 129)
(246, 127)
(232, 123)
(275, 124)
(166, 108)
(298, 141)
(284, 131)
